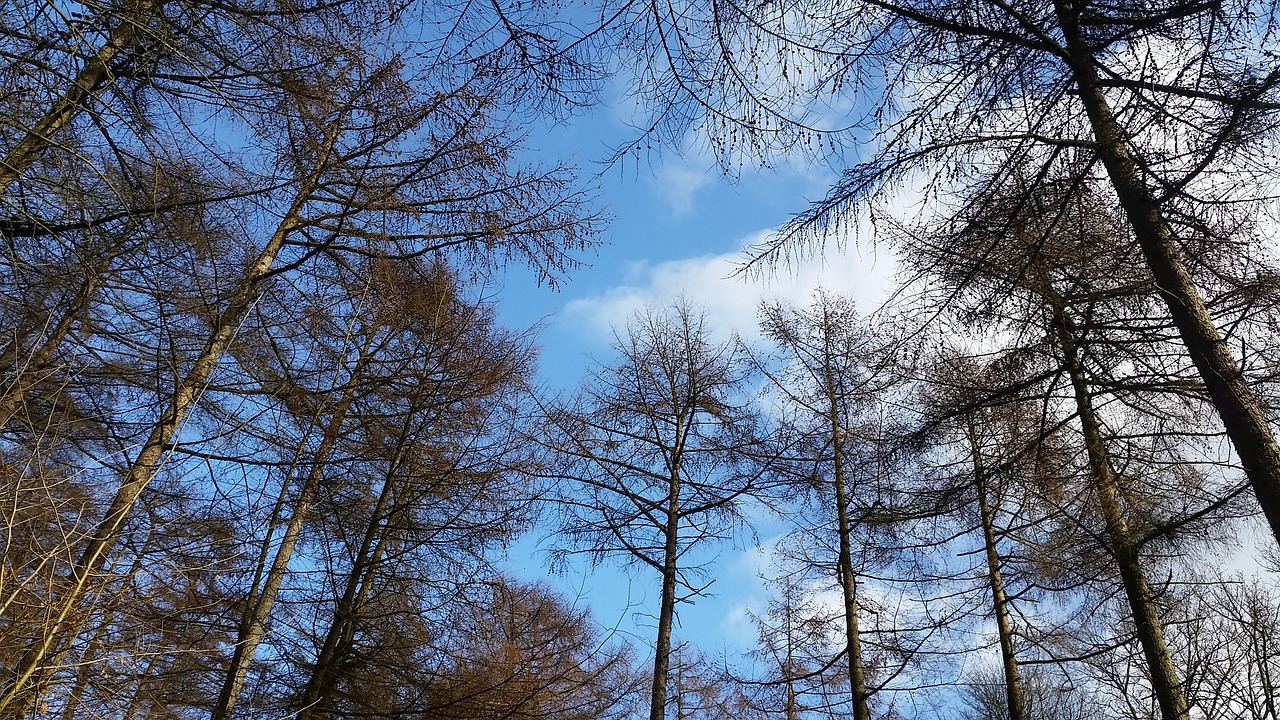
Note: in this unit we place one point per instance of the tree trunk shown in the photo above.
(847, 577)
(1000, 602)
(1237, 406)
(792, 709)
(666, 611)
(1164, 676)
(95, 74)
(318, 694)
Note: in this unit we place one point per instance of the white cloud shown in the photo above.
(677, 183)
(732, 300)
(748, 576)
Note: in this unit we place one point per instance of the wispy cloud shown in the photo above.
(677, 183)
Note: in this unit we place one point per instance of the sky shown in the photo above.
(678, 227)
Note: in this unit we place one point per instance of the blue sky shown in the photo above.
(678, 227)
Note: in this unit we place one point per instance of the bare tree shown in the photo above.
(798, 655)
(830, 386)
(1034, 253)
(991, 447)
(654, 451)
(1048, 696)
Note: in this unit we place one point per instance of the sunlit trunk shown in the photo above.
(33, 663)
(999, 600)
(96, 73)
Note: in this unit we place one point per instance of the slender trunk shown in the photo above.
(789, 672)
(666, 612)
(253, 626)
(1237, 406)
(848, 579)
(154, 452)
(96, 73)
(1164, 676)
(318, 694)
(1000, 601)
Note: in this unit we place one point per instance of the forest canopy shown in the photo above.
(266, 441)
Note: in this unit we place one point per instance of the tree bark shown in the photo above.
(95, 74)
(1164, 676)
(667, 609)
(792, 709)
(1237, 406)
(1000, 601)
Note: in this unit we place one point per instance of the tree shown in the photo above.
(799, 678)
(1231, 648)
(1043, 257)
(398, 301)
(1047, 696)
(1173, 102)
(655, 450)
(993, 450)
(433, 485)
(522, 652)
(829, 386)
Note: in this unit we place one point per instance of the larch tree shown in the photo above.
(829, 388)
(979, 460)
(431, 483)
(522, 652)
(792, 672)
(1230, 646)
(1049, 269)
(1046, 697)
(655, 454)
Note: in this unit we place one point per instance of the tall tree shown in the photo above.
(1230, 643)
(430, 485)
(829, 386)
(143, 236)
(1043, 253)
(981, 464)
(798, 678)
(655, 450)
